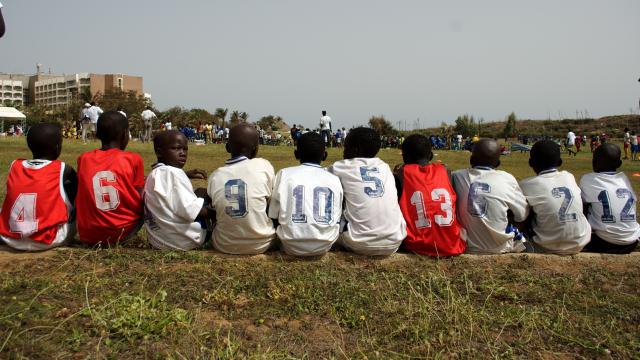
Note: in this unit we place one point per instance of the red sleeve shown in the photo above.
(138, 171)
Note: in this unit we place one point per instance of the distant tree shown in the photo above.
(510, 126)
(237, 117)
(221, 115)
(466, 125)
(382, 126)
(270, 122)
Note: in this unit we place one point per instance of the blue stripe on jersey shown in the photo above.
(548, 171)
(483, 167)
(236, 160)
(311, 164)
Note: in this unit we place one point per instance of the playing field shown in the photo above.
(132, 302)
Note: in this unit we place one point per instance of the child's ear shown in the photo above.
(226, 146)
(430, 157)
(295, 153)
(497, 164)
(559, 163)
(324, 157)
(531, 163)
(618, 163)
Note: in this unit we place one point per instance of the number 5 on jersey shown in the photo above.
(437, 195)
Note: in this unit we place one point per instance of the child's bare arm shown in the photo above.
(196, 174)
(70, 183)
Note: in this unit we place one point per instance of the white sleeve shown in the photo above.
(518, 204)
(274, 203)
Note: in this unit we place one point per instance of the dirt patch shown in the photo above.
(9, 257)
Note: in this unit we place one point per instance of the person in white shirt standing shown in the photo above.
(610, 204)
(557, 220)
(240, 192)
(571, 141)
(325, 127)
(375, 225)
(2, 28)
(307, 201)
(627, 143)
(147, 119)
(487, 198)
(175, 217)
(84, 121)
(94, 113)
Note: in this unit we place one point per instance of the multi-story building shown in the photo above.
(59, 90)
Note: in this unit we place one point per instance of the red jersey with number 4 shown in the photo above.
(428, 204)
(109, 202)
(35, 206)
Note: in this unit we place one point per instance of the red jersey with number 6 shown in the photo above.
(35, 206)
(109, 202)
(428, 204)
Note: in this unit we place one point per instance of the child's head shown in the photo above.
(171, 148)
(545, 155)
(486, 152)
(243, 141)
(311, 148)
(361, 142)
(606, 158)
(45, 141)
(113, 130)
(416, 149)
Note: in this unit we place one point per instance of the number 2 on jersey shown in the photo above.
(439, 194)
(625, 215)
(22, 218)
(563, 215)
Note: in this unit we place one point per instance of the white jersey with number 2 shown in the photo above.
(559, 225)
(307, 202)
(612, 206)
(375, 225)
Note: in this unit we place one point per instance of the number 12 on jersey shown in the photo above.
(437, 195)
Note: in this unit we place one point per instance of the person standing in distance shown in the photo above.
(147, 117)
(325, 127)
(84, 121)
(571, 141)
(94, 112)
(1, 22)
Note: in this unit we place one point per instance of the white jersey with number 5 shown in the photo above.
(240, 192)
(559, 224)
(612, 207)
(307, 201)
(485, 195)
(375, 225)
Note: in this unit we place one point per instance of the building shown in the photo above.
(58, 90)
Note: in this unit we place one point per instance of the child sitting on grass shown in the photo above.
(557, 220)
(375, 225)
(240, 192)
(427, 201)
(307, 201)
(37, 213)
(610, 204)
(175, 217)
(110, 182)
(487, 199)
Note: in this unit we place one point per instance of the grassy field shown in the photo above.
(131, 302)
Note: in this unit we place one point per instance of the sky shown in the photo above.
(418, 63)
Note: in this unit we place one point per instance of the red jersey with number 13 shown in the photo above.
(428, 204)
(109, 204)
(34, 207)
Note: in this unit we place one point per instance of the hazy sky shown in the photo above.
(431, 60)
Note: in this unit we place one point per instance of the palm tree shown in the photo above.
(221, 114)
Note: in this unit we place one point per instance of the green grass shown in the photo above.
(138, 303)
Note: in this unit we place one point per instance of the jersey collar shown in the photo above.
(548, 171)
(311, 164)
(236, 160)
(609, 172)
(156, 165)
(483, 167)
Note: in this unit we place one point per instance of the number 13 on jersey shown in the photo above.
(446, 206)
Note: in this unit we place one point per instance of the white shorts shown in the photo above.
(64, 235)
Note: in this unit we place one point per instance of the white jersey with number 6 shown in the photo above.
(612, 207)
(559, 224)
(375, 225)
(307, 202)
(484, 197)
(240, 192)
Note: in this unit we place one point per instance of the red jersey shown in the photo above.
(428, 204)
(36, 203)
(109, 201)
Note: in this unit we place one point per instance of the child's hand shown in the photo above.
(201, 193)
(196, 174)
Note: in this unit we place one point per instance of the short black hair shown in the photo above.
(416, 147)
(43, 140)
(545, 154)
(111, 126)
(93, 103)
(311, 148)
(365, 141)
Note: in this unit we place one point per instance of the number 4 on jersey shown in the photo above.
(23, 219)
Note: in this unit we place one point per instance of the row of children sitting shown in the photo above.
(358, 202)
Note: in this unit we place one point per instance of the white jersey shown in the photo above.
(240, 192)
(559, 224)
(307, 201)
(325, 123)
(571, 138)
(485, 196)
(375, 225)
(147, 116)
(170, 210)
(612, 207)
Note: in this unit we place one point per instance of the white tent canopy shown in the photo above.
(9, 113)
